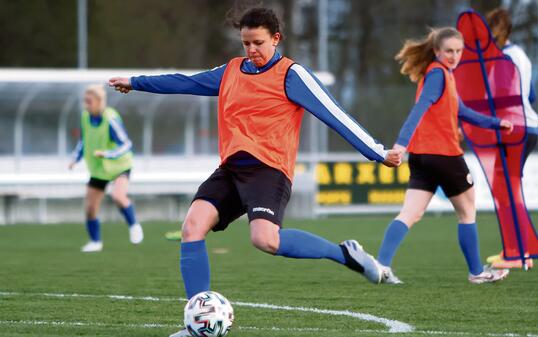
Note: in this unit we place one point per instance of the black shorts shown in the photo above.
(101, 184)
(258, 190)
(428, 171)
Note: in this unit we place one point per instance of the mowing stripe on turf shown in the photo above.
(392, 325)
(253, 328)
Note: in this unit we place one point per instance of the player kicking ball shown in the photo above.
(261, 101)
(430, 135)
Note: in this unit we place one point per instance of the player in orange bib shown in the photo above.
(430, 135)
(261, 101)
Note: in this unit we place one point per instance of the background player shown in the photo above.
(106, 148)
(430, 135)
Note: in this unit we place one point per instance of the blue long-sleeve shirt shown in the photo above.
(301, 85)
(117, 134)
(434, 85)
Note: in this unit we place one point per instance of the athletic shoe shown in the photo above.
(136, 234)
(389, 277)
(92, 247)
(489, 275)
(360, 261)
(181, 333)
(173, 236)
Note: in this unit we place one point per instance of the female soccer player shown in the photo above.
(430, 135)
(106, 148)
(261, 102)
(501, 27)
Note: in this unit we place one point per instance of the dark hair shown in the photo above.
(500, 24)
(259, 17)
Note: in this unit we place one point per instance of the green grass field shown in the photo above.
(39, 263)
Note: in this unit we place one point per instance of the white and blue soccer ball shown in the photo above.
(208, 314)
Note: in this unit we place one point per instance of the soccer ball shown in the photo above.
(208, 314)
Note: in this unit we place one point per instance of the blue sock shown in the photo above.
(468, 237)
(129, 214)
(394, 235)
(303, 245)
(94, 229)
(194, 265)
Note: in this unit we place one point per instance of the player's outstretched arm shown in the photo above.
(206, 83)
(304, 89)
(477, 119)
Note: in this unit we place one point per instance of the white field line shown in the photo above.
(394, 326)
(253, 328)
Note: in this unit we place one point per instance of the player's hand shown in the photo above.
(99, 154)
(394, 158)
(506, 125)
(71, 165)
(121, 84)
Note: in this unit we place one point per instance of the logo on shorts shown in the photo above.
(469, 178)
(263, 209)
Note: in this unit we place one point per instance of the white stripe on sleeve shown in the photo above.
(340, 115)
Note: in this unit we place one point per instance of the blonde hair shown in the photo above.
(500, 23)
(99, 92)
(416, 55)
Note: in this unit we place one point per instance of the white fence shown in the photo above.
(163, 187)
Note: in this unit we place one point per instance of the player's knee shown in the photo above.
(192, 230)
(410, 218)
(467, 216)
(265, 244)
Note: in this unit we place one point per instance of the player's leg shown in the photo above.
(265, 192)
(94, 195)
(468, 238)
(201, 217)
(294, 243)
(464, 204)
(423, 182)
(215, 205)
(415, 203)
(126, 207)
(457, 183)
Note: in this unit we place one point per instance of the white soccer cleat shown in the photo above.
(136, 234)
(359, 260)
(489, 275)
(181, 333)
(388, 276)
(92, 247)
